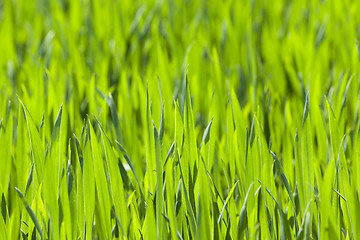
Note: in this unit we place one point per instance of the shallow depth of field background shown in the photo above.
(179, 119)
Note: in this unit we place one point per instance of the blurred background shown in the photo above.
(269, 54)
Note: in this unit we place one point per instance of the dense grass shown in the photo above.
(179, 119)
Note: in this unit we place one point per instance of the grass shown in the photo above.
(179, 119)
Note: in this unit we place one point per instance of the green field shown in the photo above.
(179, 119)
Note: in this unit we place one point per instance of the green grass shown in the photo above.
(179, 119)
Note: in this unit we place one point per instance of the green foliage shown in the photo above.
(179, 119)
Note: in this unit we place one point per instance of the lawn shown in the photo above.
(179, 119)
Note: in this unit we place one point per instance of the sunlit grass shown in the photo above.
(179, 119)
